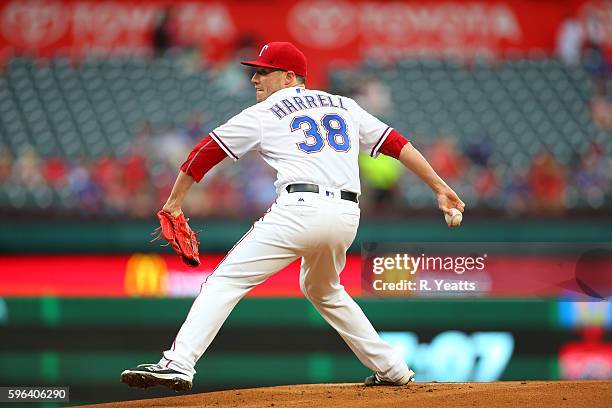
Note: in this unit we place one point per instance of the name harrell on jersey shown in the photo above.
(307, 136)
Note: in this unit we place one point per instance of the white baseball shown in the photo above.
(455, 219)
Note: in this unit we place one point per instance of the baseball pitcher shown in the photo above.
(312, 139)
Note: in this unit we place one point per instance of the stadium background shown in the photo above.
(100, 101)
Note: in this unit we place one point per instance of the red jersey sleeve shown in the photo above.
(204, 156)
(393, 144)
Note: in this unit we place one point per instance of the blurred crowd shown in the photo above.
(581, 41)
(138, 183)
(546, 187)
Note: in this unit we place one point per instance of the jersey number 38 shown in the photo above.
(335, 129)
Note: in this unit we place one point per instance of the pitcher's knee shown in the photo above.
(307, 290)
(322, 296)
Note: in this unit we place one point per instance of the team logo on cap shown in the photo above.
(265, 47)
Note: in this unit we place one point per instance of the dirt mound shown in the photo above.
(574, 394)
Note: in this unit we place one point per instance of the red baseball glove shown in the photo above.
(180, 236)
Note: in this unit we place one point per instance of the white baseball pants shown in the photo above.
(319, 229)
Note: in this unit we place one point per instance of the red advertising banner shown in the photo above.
(136, 275)
(340, 31)
(153, 275)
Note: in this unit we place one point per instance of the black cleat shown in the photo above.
(374, 380)
(150, 375)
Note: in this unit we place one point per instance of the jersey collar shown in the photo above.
(283, 92)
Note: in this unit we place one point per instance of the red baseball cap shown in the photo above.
(280, 55)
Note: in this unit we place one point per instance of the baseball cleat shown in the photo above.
(150, 375)
(374, 380)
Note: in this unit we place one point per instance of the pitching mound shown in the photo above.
(574, 394)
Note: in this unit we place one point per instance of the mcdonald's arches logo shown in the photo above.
(146, 275)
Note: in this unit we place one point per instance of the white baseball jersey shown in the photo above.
(308, 136)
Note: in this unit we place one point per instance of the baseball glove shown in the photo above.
(180, 236)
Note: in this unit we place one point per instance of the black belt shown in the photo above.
(313, 188)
